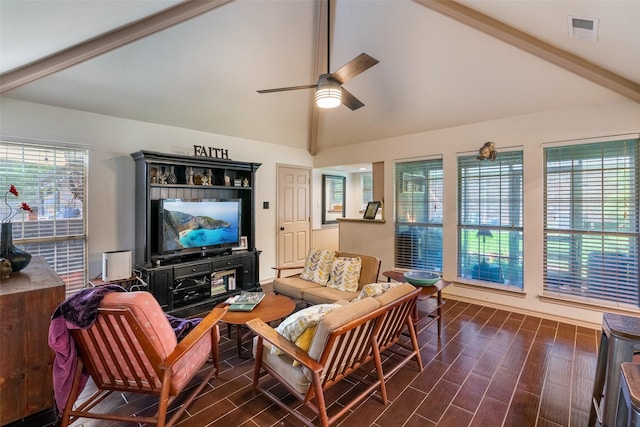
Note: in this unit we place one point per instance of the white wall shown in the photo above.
(354, 195)
(529, 132)
(111, 168)
(111, 140)
(325, 238)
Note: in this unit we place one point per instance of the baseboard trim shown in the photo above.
(534, 313)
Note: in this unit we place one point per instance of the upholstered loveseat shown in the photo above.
(344, 340)
(321, 289)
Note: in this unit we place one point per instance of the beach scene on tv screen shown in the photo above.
(199, 224)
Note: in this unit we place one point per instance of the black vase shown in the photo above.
(18, 258)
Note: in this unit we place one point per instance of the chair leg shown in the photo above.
(193, 394)
(378, 363)
(73, 394)
(322, 407)
(258, 363)
(414, 342)
(215, 337)
(163, 403)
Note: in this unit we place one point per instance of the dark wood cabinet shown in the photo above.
(160, 281)
(191, 283)
(27, 301)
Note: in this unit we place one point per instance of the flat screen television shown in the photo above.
(198, 225)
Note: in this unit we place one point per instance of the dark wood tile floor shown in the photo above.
(489, 368)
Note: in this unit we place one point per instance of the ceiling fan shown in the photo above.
(329, 90)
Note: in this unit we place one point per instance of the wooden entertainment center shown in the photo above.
(189, 283)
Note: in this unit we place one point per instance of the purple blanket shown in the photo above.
(79, 311)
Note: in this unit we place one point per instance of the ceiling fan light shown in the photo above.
(329, 96)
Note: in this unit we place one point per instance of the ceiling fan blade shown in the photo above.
(356, 66)
(282, 89)
(350, 101)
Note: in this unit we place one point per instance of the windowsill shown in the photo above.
(330, 225)
(374, 221)
(500, 289)
(566, 301)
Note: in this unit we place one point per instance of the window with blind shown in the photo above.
(490, 201)
(591, 232)
(366, 183)
(418, 215)
(52, 180)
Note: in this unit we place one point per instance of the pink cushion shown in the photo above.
(149, 313)
(162, 336)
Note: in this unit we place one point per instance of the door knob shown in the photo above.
(281, 228)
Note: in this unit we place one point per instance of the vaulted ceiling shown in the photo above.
(442, 64)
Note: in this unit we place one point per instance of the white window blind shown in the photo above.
(490, 202)
(591, 234)
(366, 183)
(52, 180)
(418, 215)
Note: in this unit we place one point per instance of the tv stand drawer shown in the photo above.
(191, 270)
(225, 263)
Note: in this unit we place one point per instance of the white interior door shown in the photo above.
(294, 222)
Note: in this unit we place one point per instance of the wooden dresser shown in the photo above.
(27, 301)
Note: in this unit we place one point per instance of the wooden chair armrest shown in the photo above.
(266, 332)
(280, 269)
(196, 334)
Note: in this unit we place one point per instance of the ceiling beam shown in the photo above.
(106, 42)
(319, 65)
(530, 44)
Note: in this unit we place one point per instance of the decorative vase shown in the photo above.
(18, 258)
(162, 177)
(189, 176)
(171, 178)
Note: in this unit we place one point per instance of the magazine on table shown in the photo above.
(245, 301)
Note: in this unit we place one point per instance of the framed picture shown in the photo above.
(243, 244)
(372, 210)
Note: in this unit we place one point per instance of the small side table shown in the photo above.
(271, 308)
(426, 293)
(620, 334)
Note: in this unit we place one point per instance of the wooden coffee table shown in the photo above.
(270, 309)
(426, 294)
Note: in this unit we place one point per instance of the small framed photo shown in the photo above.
(372, 210)
(243, 244)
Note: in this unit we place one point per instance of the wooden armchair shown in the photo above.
(346, 339)
(132, 348)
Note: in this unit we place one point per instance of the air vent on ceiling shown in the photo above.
(583, 28)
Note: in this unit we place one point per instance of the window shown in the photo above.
(591, 236)
(52, 180)
(333, 200)
(418, 215)
(366, 183)
(490, 219)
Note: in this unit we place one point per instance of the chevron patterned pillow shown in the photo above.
(317, 266)
(345, 273)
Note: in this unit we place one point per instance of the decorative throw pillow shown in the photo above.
(300, 327)
(375, 289)
(317, 266)
(345, 273)
(304, 340)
